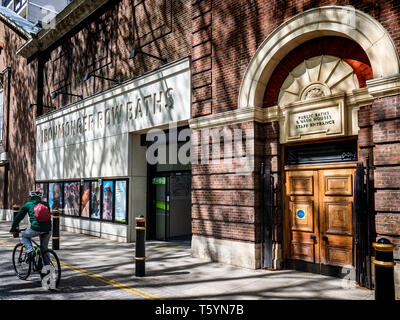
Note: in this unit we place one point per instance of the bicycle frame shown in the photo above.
(35, 245)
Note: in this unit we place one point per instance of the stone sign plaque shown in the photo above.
(313, 120)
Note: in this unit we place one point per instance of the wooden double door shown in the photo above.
(319, 215)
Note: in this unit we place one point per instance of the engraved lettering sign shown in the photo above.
(313, 121)
(150, 101)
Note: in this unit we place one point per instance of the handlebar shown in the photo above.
(16, 233)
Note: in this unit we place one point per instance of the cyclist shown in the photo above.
(37, 228)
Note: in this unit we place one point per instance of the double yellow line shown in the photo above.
(101, 278)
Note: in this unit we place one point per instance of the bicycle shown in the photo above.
(23, 267)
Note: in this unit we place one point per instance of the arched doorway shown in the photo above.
(315, 100)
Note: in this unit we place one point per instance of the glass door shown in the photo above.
(161, 207)
(180, 207)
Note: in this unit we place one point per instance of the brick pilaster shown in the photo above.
(201, 57)
(386, 153)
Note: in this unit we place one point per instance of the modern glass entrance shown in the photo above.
(169, 214)
(170, 206)
(160, 204)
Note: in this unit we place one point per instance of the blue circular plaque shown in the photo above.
(300, 214)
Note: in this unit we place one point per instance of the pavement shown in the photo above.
(100, 269)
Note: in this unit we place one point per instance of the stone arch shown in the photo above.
(340, 21)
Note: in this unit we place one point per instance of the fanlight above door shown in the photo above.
(317, 77)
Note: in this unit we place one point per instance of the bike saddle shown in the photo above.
(42, 235)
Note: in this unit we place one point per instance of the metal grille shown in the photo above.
(362, 221)
(342, 151)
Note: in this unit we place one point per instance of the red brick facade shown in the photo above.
(386, 157)
(236, 29)
(17, 176)
(225, 198)
(225, 36)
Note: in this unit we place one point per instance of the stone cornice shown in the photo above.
(383, 87)
(240, 115)
(376, 88)
(73, 14)
(358, 98)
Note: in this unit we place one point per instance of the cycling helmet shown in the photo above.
(35, 193)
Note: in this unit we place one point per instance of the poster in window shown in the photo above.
(55, 195)
(95, 200)
(108, 200)
(71, 198)
(44, 189)
(120, 201)
(85, 201)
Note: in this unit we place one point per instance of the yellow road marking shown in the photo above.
(7, 243)
(114, 283)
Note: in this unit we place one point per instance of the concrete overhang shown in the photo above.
(73, 14)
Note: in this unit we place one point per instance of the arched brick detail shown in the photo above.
(343, 48)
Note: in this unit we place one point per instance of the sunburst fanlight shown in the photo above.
(317, 77)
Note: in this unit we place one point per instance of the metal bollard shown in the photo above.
(56, 229)
(384, 267)
(140, 248)
(15, 209)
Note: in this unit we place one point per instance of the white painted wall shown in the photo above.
(138, 184)
(90, 138)
(107, 157)
(105, 141)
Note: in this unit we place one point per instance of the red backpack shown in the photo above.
(42, 213)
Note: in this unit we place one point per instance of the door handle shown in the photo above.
(312, 237)
(325, 238)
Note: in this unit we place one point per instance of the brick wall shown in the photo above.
(226, 196)
(202, 47)
(226, 34)
(386, 154)
(19, 89)
(225, 190)
(104, 42)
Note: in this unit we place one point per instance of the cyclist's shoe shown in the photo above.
(40, 264)
(31, 256)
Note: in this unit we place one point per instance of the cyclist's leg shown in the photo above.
(44, 242)
(26, 238)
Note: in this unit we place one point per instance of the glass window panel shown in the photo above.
(71, 198)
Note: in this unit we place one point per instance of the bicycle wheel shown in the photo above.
(51, 258)
(21, 266)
